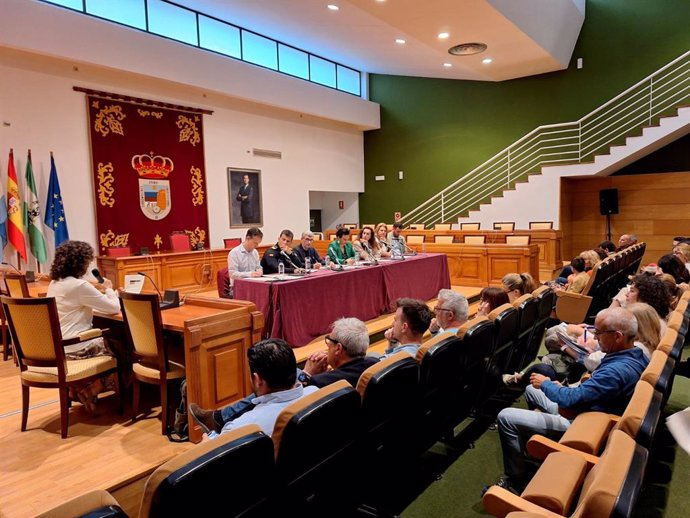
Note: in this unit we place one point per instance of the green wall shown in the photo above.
(435, 130)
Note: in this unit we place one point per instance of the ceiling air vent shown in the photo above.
(467, 49)
(267, 153)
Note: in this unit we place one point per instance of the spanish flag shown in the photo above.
(15, 214)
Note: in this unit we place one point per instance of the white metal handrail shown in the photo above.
(564, 143)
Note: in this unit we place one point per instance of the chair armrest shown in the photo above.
(89, 334)
(499, 502)
(94, 501)
(572, 307)
(540, 447)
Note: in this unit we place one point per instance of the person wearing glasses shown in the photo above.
(345, 354)
(305, 250)
(451, 312)
(552, 406)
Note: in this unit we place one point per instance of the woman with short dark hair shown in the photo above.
(76, 299)
(341, 250)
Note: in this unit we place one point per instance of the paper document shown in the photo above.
(134, 283)
(679, 426)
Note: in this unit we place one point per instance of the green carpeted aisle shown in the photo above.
(665, 492)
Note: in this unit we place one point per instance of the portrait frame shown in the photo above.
(243, 214)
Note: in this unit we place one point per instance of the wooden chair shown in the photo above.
(236, 459)
(517, 240)
(180, 242)
(610, 488)
(541, 225)
(39, 347)
(118, 251)
(415, 240)
(142, 316)
(470, 226)
(4, 336)
(444, 240)
(231, 242)
(417, 226)
(318, 236)
(475, 240)
(15, 285)
(350, 226)
(505, 225)
(442, 226)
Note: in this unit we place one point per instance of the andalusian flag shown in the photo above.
(33, 216)
(15, 223)
(55, 212)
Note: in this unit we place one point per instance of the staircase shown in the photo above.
(642, 119)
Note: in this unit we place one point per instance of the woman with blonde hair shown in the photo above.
(682, 252)
(517, 284)
(648, 326)
(591, 258)
(381, 234)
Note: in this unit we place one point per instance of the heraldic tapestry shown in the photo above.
(149, 179)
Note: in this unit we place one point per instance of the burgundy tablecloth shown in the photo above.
(300, 310)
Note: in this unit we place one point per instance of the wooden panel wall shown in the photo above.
(656, 207)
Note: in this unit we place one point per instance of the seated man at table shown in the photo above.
(306, 250)
(281, 253)
(346, 344)
(554, 406)
(243, 260)
(273, 374)
(412, 319)
(395, 240)
(451, 312)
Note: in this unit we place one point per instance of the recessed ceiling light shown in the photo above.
(380, 1)
(400, 41)
(333, 7)
(447, 65)
(487, 61)
(443, 35)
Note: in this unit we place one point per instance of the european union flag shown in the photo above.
(55, 212)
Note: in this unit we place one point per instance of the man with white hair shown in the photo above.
(608, 390)
(306, 249)
(626, 240)
(451, 312)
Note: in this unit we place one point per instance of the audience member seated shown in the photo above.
(345, 355)
(76, 298)
(340, 250)
(344, 358)
(646, 288)
(382, 238)
(451, 312)
(243, 260)
(397, 241)
(517, 284)
(608, 390)
(281, 253)
(609, 246)
(411, 320)
(682, 251)
(489, 299)
(577, 281)
(625, 241)
(675, 291)
(591, 258)
(680, 239)
(673, 265)
(306, 249)
(273, 376)
(367, 247)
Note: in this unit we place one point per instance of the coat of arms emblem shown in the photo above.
(154, 187)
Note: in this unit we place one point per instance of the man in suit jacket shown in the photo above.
(246, 198)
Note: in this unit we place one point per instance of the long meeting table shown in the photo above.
(299, 309)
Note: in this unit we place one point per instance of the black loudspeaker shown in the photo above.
(608, 201)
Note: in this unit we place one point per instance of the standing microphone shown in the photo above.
(98, 276)
(4, 263)
(171, 298)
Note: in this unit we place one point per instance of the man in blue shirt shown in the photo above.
(608, 390)
(273, 374)
(410, 322)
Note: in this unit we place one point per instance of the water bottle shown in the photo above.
(327, 261)
(281, 270)
(307, 263)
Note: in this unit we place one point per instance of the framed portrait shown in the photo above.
(244, 193)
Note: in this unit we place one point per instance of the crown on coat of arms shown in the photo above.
(150, 166)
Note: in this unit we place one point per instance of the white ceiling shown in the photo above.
(524, 37)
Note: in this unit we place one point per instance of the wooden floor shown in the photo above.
(39, 470)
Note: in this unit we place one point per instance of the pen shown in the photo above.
(585, 335)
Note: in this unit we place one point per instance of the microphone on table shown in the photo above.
(294, 266)
(98, 276)
(4, 263)
(171, 299)
(28, 275)
(372, 259)
(414, 252)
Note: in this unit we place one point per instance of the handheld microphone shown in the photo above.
(98, 276)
